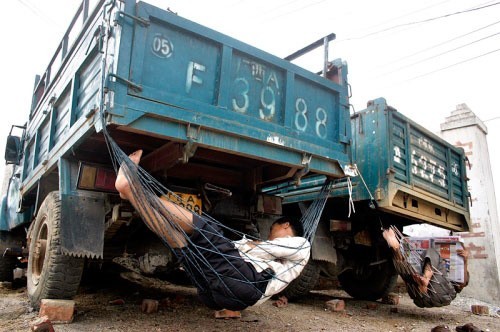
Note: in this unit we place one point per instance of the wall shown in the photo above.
(462, 128)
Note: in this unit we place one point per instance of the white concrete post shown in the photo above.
(462, 128)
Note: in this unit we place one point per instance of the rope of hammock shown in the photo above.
(146, 190)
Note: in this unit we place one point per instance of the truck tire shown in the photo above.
(51, 274)
(369, 283)
(304, 283)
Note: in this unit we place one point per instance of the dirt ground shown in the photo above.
(181, 311)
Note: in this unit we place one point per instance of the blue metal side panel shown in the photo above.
(189, 74)
(62, 117)
(456, 178)
(400, 157)
(43, 141)
(88, 88)
(370, 131)
(29, 154)
(429, 165)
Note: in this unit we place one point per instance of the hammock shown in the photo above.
(147, 190)
(410, 263)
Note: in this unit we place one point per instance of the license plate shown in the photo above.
(189, 201)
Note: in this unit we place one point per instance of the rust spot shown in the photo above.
(478, 234)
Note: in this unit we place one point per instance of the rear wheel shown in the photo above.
(51, 275)
(304, 283)
(369, 282)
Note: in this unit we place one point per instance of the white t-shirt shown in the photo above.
(286, 256)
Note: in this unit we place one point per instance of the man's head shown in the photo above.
(286, 226)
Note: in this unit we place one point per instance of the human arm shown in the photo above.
(464, 253)
(288, 248)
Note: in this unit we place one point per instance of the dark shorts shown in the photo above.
(440, 291)
(224, 280)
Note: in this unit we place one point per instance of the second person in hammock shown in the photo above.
(227, 274)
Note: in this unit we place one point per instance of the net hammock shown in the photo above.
(409, 264)
(198, 260)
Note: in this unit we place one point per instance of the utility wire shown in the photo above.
(38, 12)
(453, 65)
(437, 45)
(397, 17)
(440, 54)
(424, 21)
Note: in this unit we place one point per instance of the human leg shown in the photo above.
(168, 220)
(421, 281)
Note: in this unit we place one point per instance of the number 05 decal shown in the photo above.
(162, 47)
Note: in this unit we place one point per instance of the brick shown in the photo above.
(57, 311)
(149, 306)
(479, 309)
(394, 310)
(116, 302)
(371, 306)
(42, 324)
(391, 298)
(281, 302)
(225, 314)
(336, 305)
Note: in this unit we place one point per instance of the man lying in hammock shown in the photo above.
(228, 275)
(429, 287)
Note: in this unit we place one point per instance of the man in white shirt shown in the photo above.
(228, 275)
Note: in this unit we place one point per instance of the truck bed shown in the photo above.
(183, 92)
(409, 170)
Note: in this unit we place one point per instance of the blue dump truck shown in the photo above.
(236, 132)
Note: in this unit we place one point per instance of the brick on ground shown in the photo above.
(391, 298)
(336, 305)
(479, 309)
(42, 324)
(149, 306)
(57, 311)
(225, 314)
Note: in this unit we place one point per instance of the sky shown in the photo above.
(425, 57)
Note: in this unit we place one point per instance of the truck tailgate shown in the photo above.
(409, 170)
(185, 82)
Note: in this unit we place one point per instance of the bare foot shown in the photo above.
(121, 183)
(422, 283)
(391, 239)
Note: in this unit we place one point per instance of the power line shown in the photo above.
(37, 12)
(453, 65)
(439, 44)
(399, 17)
(424, 21)
(442, 53)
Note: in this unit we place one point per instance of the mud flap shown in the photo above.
(323, 248)
(82, 226)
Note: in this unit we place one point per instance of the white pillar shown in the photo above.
(463, 129)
